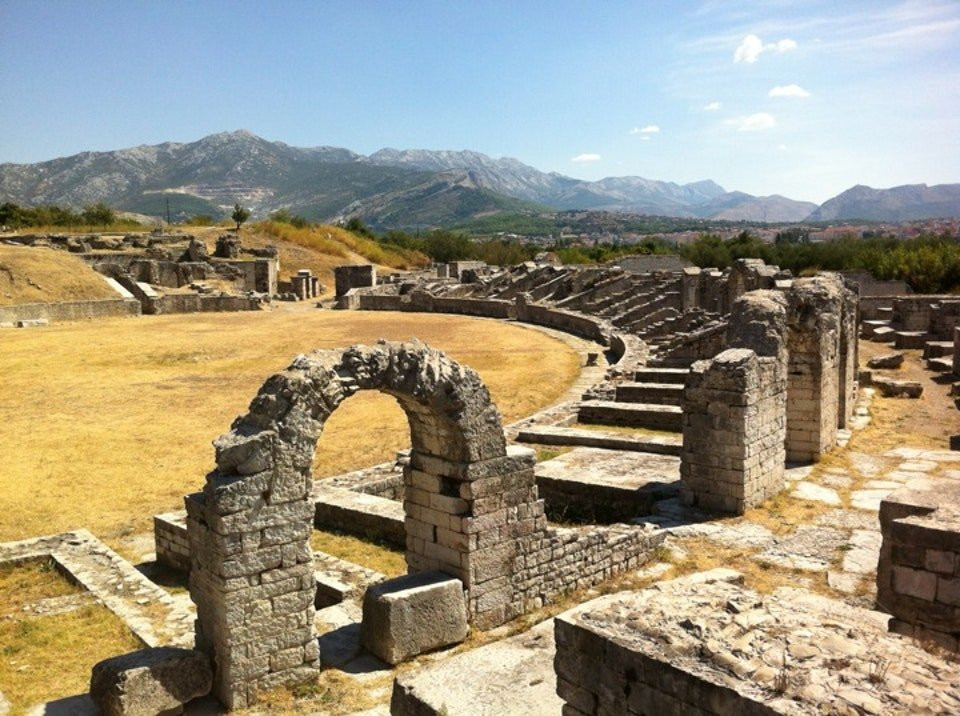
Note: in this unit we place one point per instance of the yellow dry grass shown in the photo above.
(371, 554)
(42, 275)
(32, 648)
(108, 423)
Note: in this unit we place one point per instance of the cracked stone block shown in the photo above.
(413, 614)
(150, 681)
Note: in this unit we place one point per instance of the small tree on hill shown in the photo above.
(239, 215)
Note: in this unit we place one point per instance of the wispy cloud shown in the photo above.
(712, 107)
(788, 91)
(753, 122)
(751, 47)
(586, 158)
(649, 129)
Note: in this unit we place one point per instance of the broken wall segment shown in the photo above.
(703, 644)
(815, 321)
(734, 405)
(351, 276)
(918, 573)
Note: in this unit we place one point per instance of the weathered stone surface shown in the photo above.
(512, 677)
(150, 681)
(815, 493)
(410, 615)
(887, 360)
(892, 388)
(705, 645)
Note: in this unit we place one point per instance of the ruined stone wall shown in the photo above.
(170, 540)
(734, 421)
(918, 574)
(596, 329)
(354, 276)
(946, 317)
(198, 303)
(814, 321)
(70, 310)
(733, 430)
(914, 313)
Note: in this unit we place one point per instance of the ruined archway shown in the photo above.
(251, 562)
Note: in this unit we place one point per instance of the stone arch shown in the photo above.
(251, 563)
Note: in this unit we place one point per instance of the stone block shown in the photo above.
(413, 614)
(150, 681)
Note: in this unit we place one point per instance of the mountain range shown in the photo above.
(406, 188)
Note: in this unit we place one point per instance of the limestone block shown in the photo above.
(413, 614)
(150, 681)
(890, 388)
(887, 360)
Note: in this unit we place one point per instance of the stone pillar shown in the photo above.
(252, 580)
(956, 350)
(690, 288)
(734, 420)
(472, 521)
(814, 319)
(849, 360)
(354, 276)
(314, 287)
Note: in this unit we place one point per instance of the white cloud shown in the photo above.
(645, 137)
(788, 91)
(586, 158)
(753, 122)
(649, 129)
(749, 50)
(751, 47)
(712, 107)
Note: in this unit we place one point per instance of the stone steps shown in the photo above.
(570, 436)
(656, 393)
(633, 415)
(661, 375)
(606, 486)
(938, 349)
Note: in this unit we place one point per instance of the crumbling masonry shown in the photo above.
(471, 504)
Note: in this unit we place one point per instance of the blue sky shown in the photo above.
(803, 99)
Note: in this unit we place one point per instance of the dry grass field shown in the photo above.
(40, 275)
(107, 423)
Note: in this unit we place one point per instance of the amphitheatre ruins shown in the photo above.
(663, 489)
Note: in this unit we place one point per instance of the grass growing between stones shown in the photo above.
(33, 666)
(333, 693)
(372, 554)
(107, 423)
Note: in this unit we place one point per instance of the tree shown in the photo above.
(98, 214)
(239, 215)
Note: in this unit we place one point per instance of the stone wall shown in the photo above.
(170, 540)
(354, 276)
(918, 575)
(596, 329)
(647, 263)
(734, 422)
(704, 644)
(199, 303)
(70, 310)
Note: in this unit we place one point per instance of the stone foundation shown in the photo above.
(705, 645)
